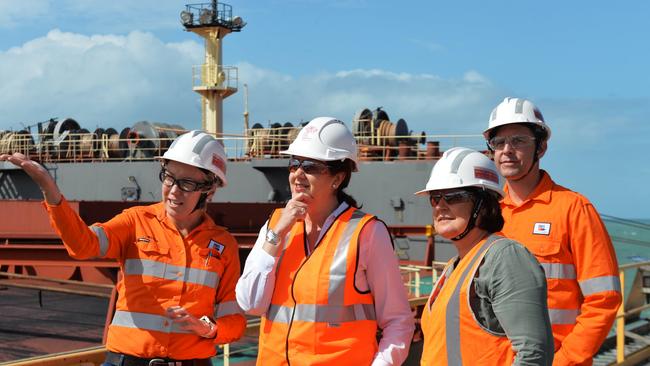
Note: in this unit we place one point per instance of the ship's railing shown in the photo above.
(643, 269)
(205, 14)
(131, 145)
(217, 77)
(418, 279)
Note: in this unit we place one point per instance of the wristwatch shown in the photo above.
(272, 237)
(213, 327)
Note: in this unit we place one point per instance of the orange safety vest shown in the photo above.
(452, 336)
(566, 235)
(161, 269)
(317, 316)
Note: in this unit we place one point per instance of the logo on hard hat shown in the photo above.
(486, 174)
(309, 132)
(219, 163)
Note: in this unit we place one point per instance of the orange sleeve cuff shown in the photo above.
(230, 328)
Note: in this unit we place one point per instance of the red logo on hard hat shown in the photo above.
(309, 131)
(219, 163)
(480, 173)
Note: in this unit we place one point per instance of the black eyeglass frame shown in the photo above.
(185, 185)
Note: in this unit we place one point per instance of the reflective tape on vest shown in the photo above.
(452, 320)
(563, 316)
(103, 239)
(339, 268)
(147, 267)
(227, 308)
(559, 270)
(321, 313)
(129, 319)
(600, 284)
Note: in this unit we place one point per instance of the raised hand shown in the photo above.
(38, 174)
(295, 210)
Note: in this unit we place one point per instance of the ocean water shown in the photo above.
(631, 240)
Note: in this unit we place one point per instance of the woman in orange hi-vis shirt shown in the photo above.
(176, 297)
(489, 305)
(323, 274)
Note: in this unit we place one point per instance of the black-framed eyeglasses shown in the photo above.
(308, 166)
(185, 185)
(451, 198)
(515, 141)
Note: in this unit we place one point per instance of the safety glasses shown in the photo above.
(308, 166)
(185, 185)
(451, 198)
(515, 141)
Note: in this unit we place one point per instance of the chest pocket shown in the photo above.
(150, 248)
(544, 248)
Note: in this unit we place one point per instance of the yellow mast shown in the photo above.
(214, 81)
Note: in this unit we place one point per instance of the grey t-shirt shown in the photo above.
(508, 297)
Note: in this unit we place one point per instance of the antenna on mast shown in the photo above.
(245, 108)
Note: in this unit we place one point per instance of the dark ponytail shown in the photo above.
(345, 167)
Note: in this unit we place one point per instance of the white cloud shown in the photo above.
(427, 102)
(105, 80)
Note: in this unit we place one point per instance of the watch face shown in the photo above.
(272, 237)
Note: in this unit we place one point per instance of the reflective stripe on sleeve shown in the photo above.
(600, 284)
(321, 313)
(146, 267)
(559, 270)
(563, 316)
(103, 239)
(129, 319)
(227, 308)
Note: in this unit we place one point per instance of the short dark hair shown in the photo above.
(489, 216)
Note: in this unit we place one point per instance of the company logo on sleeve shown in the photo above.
(542, 228)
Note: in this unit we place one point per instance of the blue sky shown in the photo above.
(442, 66)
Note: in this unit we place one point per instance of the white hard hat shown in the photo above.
(516, 110)
(325, 139)
(462, 167)
(199, 149)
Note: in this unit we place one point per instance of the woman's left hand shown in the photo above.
(187, 321)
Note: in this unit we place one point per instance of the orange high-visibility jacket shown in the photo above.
(452, 336)
(317, 316)
(160, 269)
(564, 231)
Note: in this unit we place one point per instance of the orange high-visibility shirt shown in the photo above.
(160, 269)
(564, 231)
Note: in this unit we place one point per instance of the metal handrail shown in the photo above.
(622, 313)
(255, 143)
